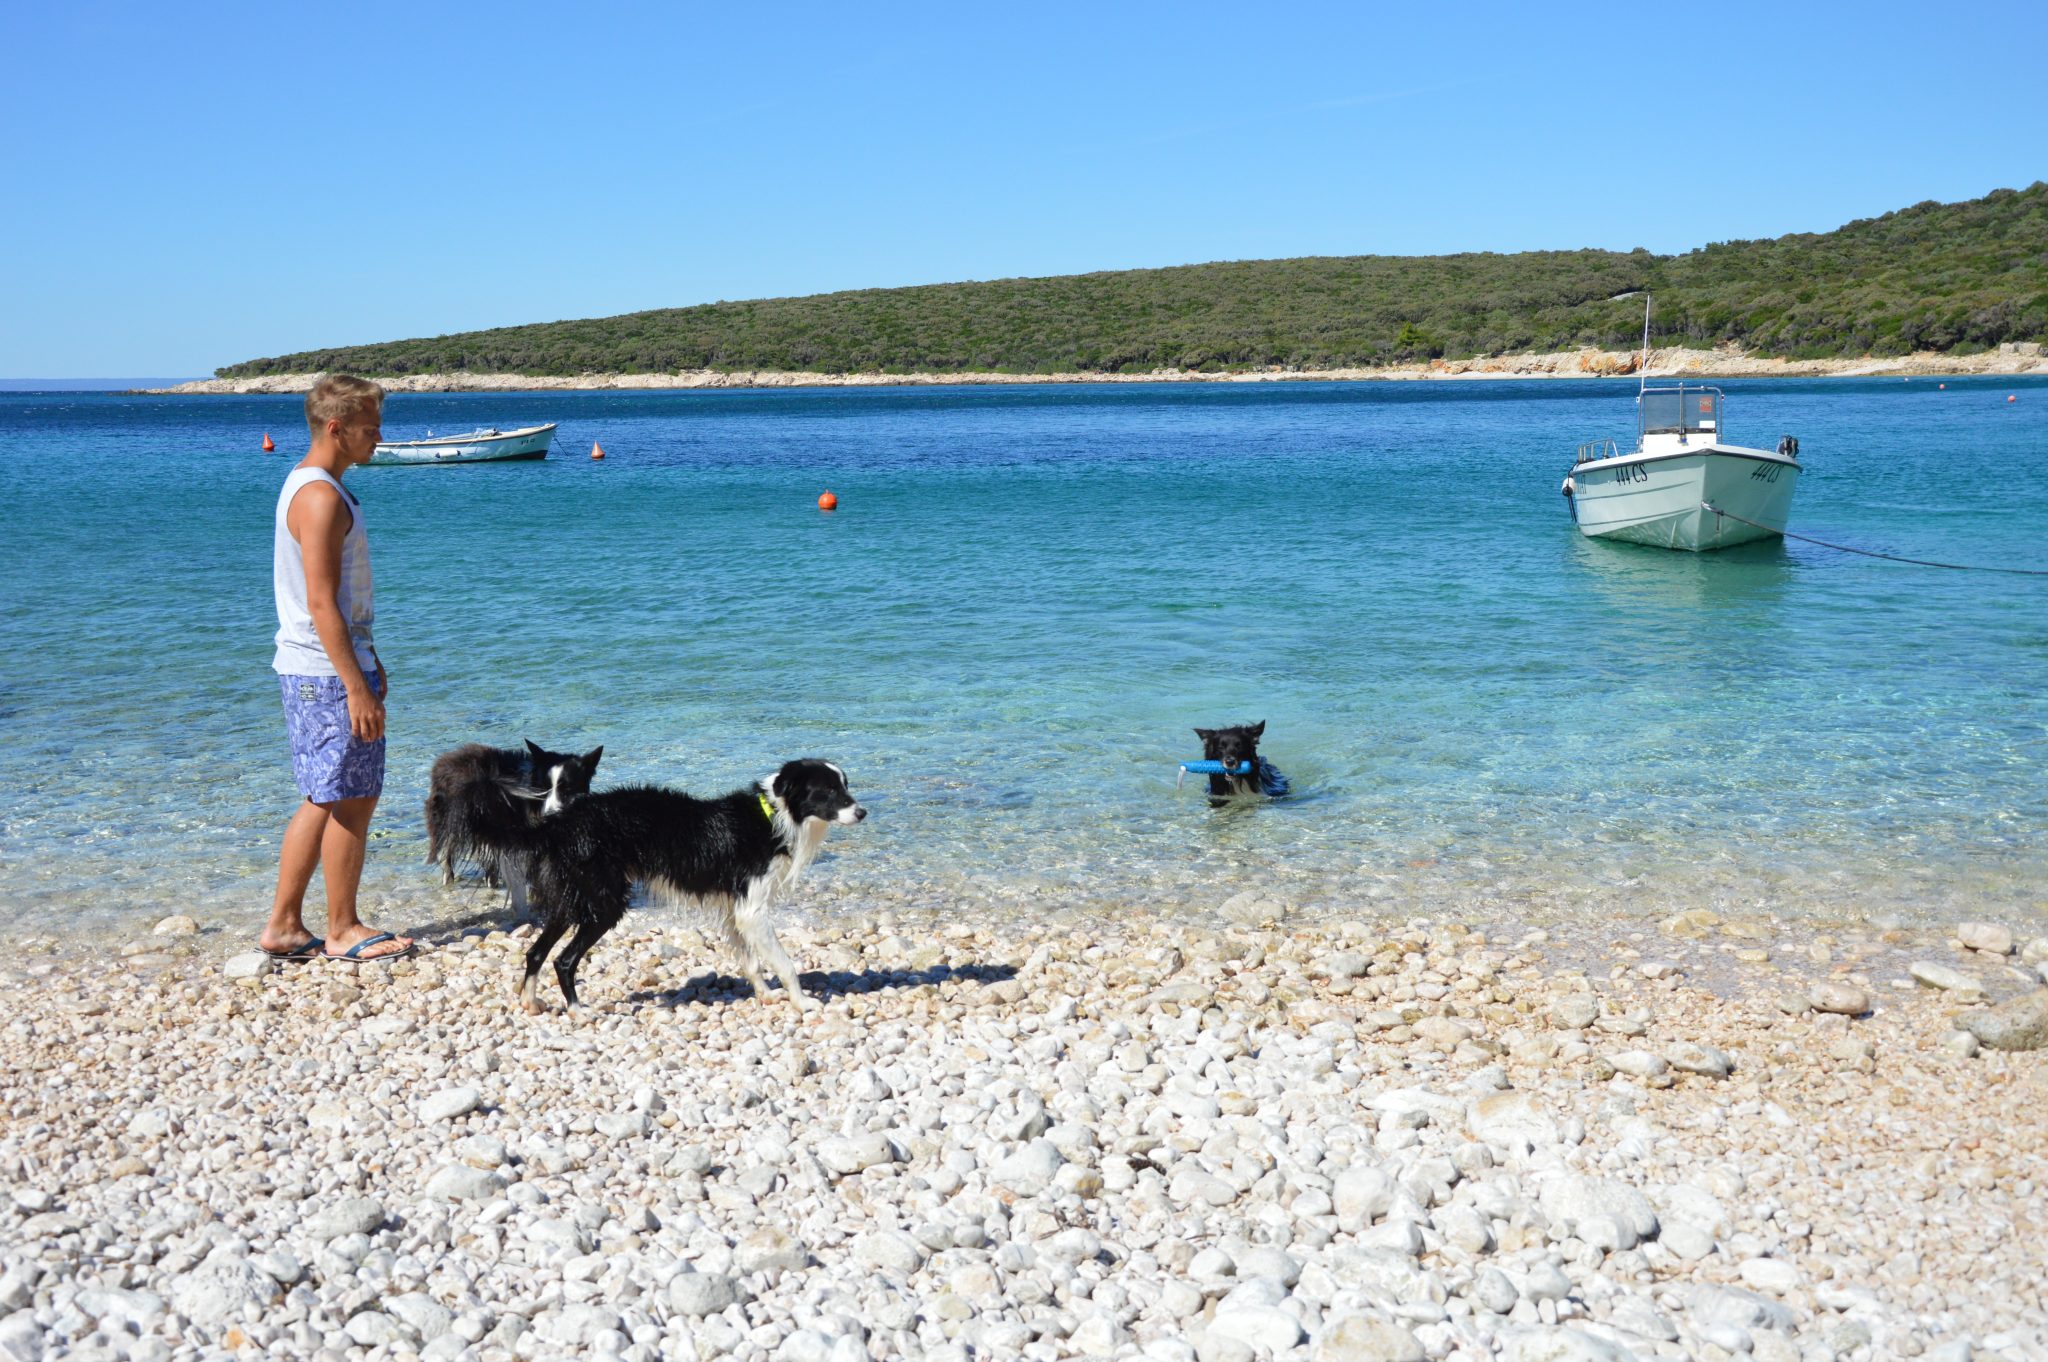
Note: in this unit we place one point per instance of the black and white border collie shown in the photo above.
(1235, 746)
(480, 798)
(730, 854)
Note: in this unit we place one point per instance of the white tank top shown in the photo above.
(298, 644)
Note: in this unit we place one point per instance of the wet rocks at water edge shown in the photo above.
(2016, 1024)
(1639, 1064)
(249, 965)
(1709, 1061)
(1841, 999)
(1986, 937)
(1929, 974)
(1961, 1044)
(1280, 1140)
(1575, 1011)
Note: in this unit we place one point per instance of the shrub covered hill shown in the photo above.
(1948, 277)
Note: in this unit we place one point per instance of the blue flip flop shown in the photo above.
(355, 953)
(312, 950)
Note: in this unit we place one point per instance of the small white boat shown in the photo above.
(1682, 487)
(489, 445)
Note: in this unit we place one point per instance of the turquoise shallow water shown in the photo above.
(1027, 599)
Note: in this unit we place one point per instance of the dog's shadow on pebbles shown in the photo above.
(493, 918)
(713, 988)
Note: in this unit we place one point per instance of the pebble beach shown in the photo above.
(1256, 1137)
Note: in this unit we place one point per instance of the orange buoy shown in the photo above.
(268, 443)
(2012, 397)
(827, 502)
(596, 450)
(1942, 386)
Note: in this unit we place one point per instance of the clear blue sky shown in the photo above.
(191, 186)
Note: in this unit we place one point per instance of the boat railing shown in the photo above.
(1598, 449)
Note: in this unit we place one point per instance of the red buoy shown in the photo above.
(827, 502)
(269, 444)
(2011, 397)
(596, 450)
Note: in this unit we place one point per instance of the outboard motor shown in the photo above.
(1788, 445)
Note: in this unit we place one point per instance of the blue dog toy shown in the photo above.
(1270, 781)
(1210, 768)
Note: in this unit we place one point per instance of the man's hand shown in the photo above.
(365, 713)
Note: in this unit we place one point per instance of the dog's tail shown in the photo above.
(437, 814)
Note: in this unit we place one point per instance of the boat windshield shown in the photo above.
(1678, 411)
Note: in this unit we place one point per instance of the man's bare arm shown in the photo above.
(319, 520)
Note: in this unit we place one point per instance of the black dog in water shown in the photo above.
(1234, 747)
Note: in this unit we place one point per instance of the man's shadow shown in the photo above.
(715, 988)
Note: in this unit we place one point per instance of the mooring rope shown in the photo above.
(1872, 553)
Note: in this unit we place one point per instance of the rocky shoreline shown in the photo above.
(1260, 1139)
(2017, 359)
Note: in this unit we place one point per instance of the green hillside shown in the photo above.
(1959, 277)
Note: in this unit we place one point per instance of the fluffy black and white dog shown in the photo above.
(480, 798)
(1234, 747)
(731, 855)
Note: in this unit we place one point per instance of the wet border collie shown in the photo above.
(730, 854)
(1233, 747)
(479, 797)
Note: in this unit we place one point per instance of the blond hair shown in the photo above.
(338, 397)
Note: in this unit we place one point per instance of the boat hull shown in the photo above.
(531, 443)
(1661, 499)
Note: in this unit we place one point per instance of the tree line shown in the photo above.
(1957, 277)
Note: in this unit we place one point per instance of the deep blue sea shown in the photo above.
(1028, 598)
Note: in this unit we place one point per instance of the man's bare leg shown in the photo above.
(342, 844)
(296, 861)
(332, 838)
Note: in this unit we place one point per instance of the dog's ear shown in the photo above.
(536, 751)
(1205, 733)
(1258, 730)
(591, 757)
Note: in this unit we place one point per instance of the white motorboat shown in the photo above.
(1682, 487)
(489, 445)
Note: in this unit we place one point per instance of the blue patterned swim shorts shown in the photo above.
(327, 758)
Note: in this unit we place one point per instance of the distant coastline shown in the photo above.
(136, 383)
(1674, 362)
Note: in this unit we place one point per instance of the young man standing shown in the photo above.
(332, 681)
